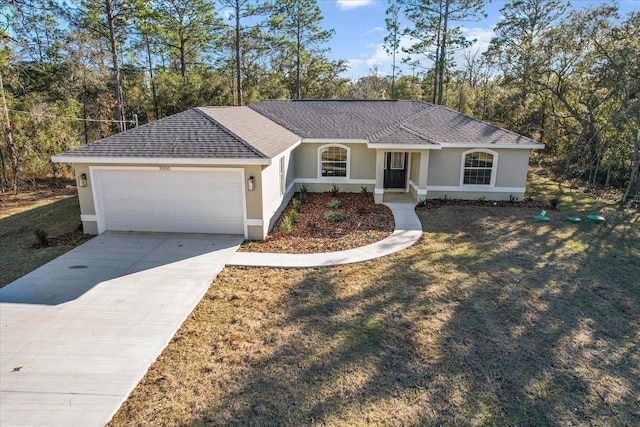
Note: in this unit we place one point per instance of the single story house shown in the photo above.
(232, 170)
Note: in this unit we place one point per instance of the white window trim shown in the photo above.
(334, 178)
(494, 168)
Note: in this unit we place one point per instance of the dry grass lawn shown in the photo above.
(490, 319)
(47, 205)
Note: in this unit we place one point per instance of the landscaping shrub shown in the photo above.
(334, 204)
(287, 226)
(304, 189)
(42, 236)
(333, 216)
(293, 215)
(335, 189)
(555, 202)
(296, 204)
(364, 190)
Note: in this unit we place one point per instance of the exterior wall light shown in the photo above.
(251, 183)
(82, 180)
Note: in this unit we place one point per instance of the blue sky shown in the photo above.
(359, 30)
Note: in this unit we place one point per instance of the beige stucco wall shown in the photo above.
(362, 161)
(274, 195)
(414, 173)
(445, 171)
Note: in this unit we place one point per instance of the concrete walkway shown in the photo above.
(407, 231)
(79, 333)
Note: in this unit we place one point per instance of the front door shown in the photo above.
(395, 170)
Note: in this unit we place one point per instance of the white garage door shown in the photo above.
(175, 200)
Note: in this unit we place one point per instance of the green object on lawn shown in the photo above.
(542, 216)
(573, 219)
(595, 218)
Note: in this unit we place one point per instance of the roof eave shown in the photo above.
(530, 146)
(391, 146)
(335, 140)
(159, 160)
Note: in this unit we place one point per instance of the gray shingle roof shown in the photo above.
(384, 122)
(336, 119)
(263, 130)
(190, 134)
(255, 129)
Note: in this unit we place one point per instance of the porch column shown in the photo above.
(423, 175)
(378, 192)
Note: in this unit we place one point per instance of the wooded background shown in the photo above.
(72, 72)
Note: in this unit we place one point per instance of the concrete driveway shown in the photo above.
(77, 334)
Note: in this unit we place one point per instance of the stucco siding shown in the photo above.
(361, 166)
(512, 170)
(445, 175)
(277, 192)
(444, 167)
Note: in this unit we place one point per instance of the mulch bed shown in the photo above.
(433, 204)
(363, 223)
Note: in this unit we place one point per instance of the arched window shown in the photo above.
(478, 167)
(333, 161)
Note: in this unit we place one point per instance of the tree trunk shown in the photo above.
(436, 71)
(634, 169)
(443, 51)
(183, 62)
(151, 80)
(116, 66)
(238, 55)
(298, 53)
(12, 150)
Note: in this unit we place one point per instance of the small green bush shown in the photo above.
(482, 200)
(333, 216)
(334, 204)
(422, 202)
(42, 236)
(287, 226)
(364, 190)
(445, 198)
(293, 215)
(296, 204)
(304, 189)
(335, 189)
(555, 202)
(512, 198)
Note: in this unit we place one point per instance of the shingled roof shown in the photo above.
(384, 122)
(190, 134)
(265, 129)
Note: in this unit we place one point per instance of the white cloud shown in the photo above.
(375, 30)
(352, 4)
(482, 36)
(354, 63)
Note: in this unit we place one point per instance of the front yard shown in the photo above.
(492, 318)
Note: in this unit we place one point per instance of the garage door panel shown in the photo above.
(173, 201)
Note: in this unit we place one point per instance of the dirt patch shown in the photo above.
(364, 222)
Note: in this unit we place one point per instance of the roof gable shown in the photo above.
(190, 134)
(267, 137)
